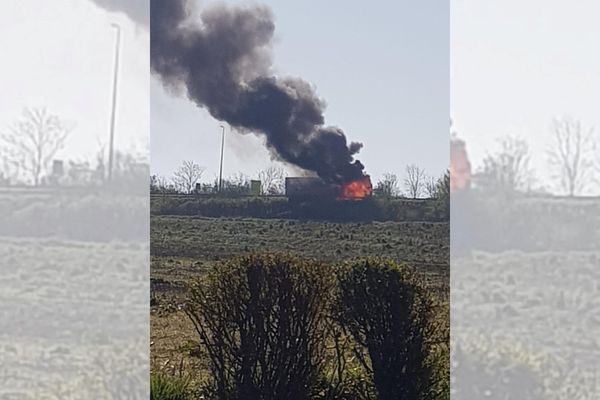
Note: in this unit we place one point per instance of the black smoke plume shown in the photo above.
(223, 62)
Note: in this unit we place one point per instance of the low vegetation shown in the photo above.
(525, 325)
(374, 209)
(166, 387)
(184, 247)
(497, 223)
(77, 310)
(98, 215)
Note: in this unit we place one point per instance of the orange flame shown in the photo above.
(358, 189)
(460, 167)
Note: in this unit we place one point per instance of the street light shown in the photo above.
(114, 101)
(221, 166)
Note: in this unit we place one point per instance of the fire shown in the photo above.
(358, 189)
(460, 167)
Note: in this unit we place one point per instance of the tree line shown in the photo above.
(28, 150)
(571, 159)
(188, 179)
(30, 145)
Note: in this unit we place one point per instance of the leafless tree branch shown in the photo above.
(186, 177)
(33, 140)
(571, 155)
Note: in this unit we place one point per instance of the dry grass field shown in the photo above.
(183, 248)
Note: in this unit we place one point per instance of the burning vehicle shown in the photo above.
(315, 189)
(308, 188)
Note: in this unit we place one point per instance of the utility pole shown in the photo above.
(114, 102)
(221, 165)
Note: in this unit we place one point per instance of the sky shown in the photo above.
(60, 55)
(516, 65)
(383, 71)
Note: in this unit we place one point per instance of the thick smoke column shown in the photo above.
(223, 62)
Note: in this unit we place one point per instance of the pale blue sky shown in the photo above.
(382, 68)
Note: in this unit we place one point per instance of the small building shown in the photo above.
(58, 168)
(57, 173)
(255, 188)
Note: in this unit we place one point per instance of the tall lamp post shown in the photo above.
(221, 165)
(114, 101)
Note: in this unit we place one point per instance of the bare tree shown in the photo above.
(158, 184)
(571, 156)
(272, 180)
(236, 184)
(414, 180)
(388, 185)
(431, 185)
(508, 169)
(8, 169)
(187, 175)
(33, 141)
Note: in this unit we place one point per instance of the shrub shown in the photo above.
(390, 315)
(263, 321)
(164, 387)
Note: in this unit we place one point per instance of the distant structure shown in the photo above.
(305, 188)
(255, 188)
(57, 173)
(58, 168)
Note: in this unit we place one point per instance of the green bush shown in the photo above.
(164, 387)
(389, 314)
(263, 321)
